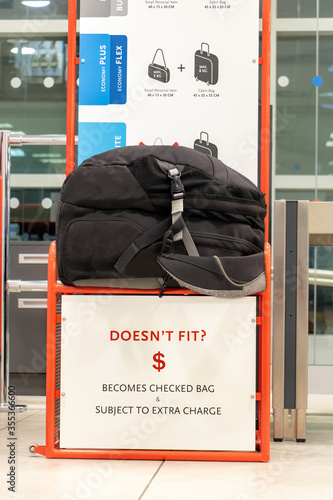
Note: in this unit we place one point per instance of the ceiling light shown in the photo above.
(14, 203)
(283, 81)
(28, 50)
(47, 203)
(48, 82)
(36, 3)
(17, 40)
(329, 144)
(54, 161)
(16, 82)
(24, 50)
(47, 155)
(17, 152)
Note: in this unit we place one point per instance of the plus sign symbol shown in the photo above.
(181, 67)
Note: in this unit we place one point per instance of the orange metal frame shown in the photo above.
(52, 449)
(1, 259)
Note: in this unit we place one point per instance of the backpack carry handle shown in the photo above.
(143, 144)
(158, 140)
(201, 140)
(201, 50)
(165, 66)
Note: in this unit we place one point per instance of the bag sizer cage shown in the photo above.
(59, 442)
(52, 449)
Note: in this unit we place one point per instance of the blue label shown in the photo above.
(97, 137)
(118, 80)
(103, 69)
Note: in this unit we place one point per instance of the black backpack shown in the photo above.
(156, 216)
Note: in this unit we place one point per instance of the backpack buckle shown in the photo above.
(177, 188)
(167, 241)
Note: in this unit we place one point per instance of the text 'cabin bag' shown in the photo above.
(156, 216)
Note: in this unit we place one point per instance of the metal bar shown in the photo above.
(33, 258)
(265, 109)
(290, 305)
(6, 140)
(320, 281)
(321, 273)
(302, 314)
(264, 361)
(51, 353)
(17, 286)
(38, 140)
(5, 193)
(71, 83)
(32, 303)
(178, 455)
(323, 277)
(279, 318)
(290, 384)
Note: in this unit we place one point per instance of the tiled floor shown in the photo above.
(297, 471)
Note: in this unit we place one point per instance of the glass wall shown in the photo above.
(303, 8)
(33, 102)
(303, 140)
(304, 104)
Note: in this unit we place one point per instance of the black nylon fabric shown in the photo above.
(203, 177)
(116, 197)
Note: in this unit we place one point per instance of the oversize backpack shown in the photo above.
(156, 216)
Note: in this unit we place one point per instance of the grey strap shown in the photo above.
(189, 243)
(177, 207)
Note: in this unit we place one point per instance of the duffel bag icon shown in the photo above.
(157, 71)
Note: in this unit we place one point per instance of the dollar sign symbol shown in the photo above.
(160, 363)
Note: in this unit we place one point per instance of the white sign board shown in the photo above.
(140, 372)
(171, 71)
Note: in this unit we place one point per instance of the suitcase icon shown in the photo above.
(204, 146)
(206, 66)
(158, 72)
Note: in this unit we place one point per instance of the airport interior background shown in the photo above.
(302, 153)
(33, 103)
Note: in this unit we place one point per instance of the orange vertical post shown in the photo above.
(51, 351)
(264, 360)
(1, 244)
(71, 87)
(265, 143)
(265, 107)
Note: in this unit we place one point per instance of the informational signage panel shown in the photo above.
(140, 372)
(170, 71)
